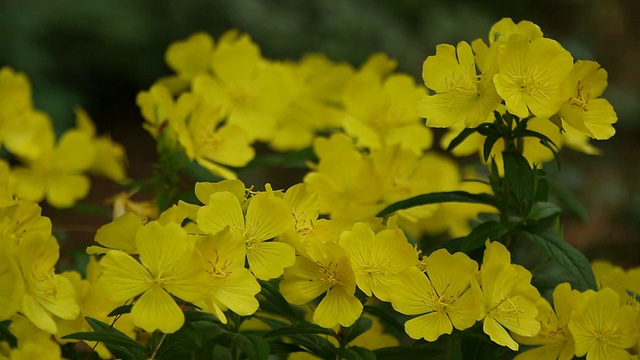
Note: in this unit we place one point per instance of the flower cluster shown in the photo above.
(325, 251)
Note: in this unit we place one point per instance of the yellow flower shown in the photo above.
(93, 303)
(509, 298)
(377, 259)
(267, 216)
(461, 95)
(169, 267)
(33, 343)
(191, 56)
(326, 270)
(15, 98)
(46, 293)
(229, 284)
(120, 234)
(381, 112)
(603, 329)
(446, 295)
(554, 337)
(156, 106)
(584, 111)
(57, 173)
(345, 181)
(205, 139)
(251, 91)
(531, 76)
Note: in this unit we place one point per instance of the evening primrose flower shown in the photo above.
(169, 266)
(205, 139)
(381, 111)
(445, 295)
(191, 56)
(509, 299)
(585, 111)
(267, 216)
(461, 95)
(250, 91)
(603, 329)
(45, 293)
(57, 173)
(554, 338)
(377, 259)
(531, 76)
(229, 284)
(325, 270)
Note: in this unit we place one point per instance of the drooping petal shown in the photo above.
(429, 326)
(156, 310)
(337, 307)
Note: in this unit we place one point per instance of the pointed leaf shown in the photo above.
(541, 210)
(117, 342)
(573, 261)
(358, 328)
(519, 175)
(460, 138)
(476, 239)
(441, 197)
(121, 310)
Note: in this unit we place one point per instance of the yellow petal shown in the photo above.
(337, 307)
(267, 260)
(498, 334)
(156, 310)
(267, 217)
(429, 326)
(238, 292)
(161, 247)
(123, 278)
(222, 210)
(120, 234)
(64, 190)
(303, 282)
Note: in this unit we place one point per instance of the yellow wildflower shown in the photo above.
(445, 295)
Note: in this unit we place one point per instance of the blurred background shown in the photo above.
(98, 54)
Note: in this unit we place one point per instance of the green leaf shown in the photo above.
(253, 347)
(6, 335)
(573, 261)
(487, 230)
(357, 329)
(271, 294)
(292, 159)
(387, 316)
(355, 353)
(520, 177)
(405, 352)
(121, 310)
(542, 186)
(441, 197)
(541, 210)
(279, 347)
(488, 145)
(460, 138)
(117, 342)
(304, 328)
